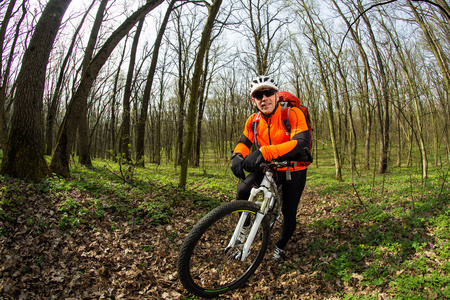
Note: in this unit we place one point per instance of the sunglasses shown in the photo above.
(259, 94)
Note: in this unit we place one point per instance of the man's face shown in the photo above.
(265, 100)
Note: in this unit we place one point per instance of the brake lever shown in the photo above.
(288, 173)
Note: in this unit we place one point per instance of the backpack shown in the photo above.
(287, 100)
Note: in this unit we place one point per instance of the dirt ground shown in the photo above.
(40, 261)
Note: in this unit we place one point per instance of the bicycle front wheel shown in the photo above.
(205, 266)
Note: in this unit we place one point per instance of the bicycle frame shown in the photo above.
(267, 185)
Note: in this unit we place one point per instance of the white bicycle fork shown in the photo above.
(264, 187)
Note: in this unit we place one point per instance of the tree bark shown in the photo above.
(157, 146)
(113, 145)
(23, 156)
(201, 109)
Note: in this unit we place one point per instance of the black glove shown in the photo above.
(236, 166)
(252, 162)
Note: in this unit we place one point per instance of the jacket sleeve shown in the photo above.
(297, 148)
(246, 141)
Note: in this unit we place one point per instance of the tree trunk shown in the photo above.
(157, 156)
(383, 115)
(330, 112)
(3, 122)
(148, 86)
(125, 140)
(365, 95)
(434, 120)
(349, 114)
(201, 109)
(413, 95)
(113, 145)
(60, 159)
(83, 129)
(23, 156)
(398, 122)
(53, 105)
(438, 52)
(194, 95)
(182, 90)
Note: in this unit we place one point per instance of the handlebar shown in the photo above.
(273, 165)
(277, 164)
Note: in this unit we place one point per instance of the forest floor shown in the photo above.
(109, 255)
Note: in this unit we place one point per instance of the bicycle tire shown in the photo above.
(204, 268)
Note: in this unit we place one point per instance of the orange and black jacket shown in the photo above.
(273, 140)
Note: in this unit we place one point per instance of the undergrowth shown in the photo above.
(388, 231)
(385, 234)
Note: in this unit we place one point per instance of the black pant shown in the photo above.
(292, 191)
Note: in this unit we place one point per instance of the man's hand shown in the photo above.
(237, 166)
(252, 162)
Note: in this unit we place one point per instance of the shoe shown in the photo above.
(277, 254)
(243, 234)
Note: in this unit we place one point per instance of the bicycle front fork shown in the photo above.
(251, 236)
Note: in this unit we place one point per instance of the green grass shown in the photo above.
(387, 231)
(152, 192)
(402, 238)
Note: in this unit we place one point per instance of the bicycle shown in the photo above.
(212, 259)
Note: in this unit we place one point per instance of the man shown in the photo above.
(267, 130)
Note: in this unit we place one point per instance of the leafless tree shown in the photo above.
(263, 21)
(23, 155)
(125, 140)
(307, 14)
(142, 119)
(5, 73)
(83, 125)
(213, 10)
(55, 100)
(60, 158)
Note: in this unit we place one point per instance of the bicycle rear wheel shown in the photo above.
(204, 267)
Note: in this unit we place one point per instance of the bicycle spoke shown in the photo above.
(210, 261)
(205, 266)
(213, 267)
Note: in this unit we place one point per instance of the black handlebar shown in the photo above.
(277, 164)
(273, 165)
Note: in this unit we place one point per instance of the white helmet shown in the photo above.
(262, 82)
